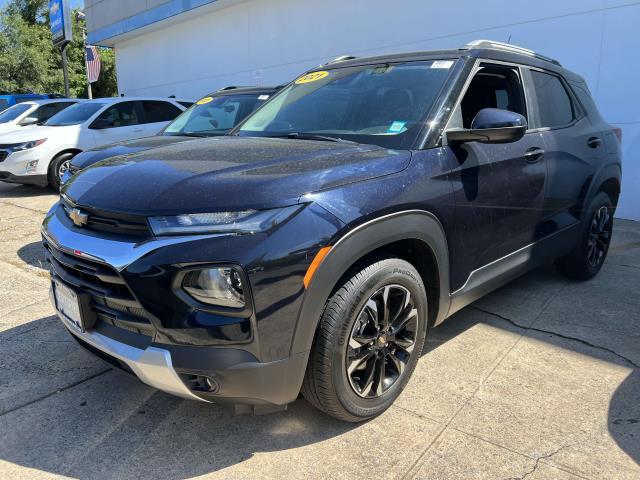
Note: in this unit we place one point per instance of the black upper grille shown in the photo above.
(111, 299)
(111, 222)
(3, 155)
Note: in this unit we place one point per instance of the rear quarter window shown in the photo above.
(158, 111)
(555, 108)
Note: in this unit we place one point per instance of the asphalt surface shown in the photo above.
(541, 379)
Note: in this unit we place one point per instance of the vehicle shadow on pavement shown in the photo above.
(33, 254)
(94, 422)
(90, 421)
(8, 190)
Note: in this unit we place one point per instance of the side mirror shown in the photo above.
(101, 124)
(28, 121)
(491, 125)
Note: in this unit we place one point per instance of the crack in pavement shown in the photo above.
(538, 460)
(35, 210)
(408, 473)
(560, 335)
(59, 390)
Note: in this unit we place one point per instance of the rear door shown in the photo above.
(499, 188)
(573, 147)
(157, 115)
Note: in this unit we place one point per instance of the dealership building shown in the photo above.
(188, 48)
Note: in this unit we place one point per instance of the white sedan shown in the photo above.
(33, 112)
(40, 155)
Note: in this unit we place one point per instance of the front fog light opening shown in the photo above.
(218, 286)
(31, 166)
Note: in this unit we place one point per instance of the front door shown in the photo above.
(120, 122)
(498, 188)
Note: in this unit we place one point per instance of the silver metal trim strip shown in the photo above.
(116, 253)
(152, 365)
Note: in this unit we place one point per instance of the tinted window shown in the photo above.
(3, 104)
(14, 112)
(74, 115)
(156, 111)
(554, 104)
(214, 115)
(493, 87)
(45, 112)
(186, 104)
(384, 104)
(124, 114)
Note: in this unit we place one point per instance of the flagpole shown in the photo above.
(80, 16)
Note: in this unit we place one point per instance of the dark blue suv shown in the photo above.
(313, 248)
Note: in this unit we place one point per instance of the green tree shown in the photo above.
(30, 63)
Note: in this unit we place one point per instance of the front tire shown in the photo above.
(57, 168)
(587, 258)
(368, 343)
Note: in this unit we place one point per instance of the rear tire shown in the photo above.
(57, 167)
(362, 358)
(587, 258)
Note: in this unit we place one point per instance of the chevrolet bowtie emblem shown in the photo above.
(78, 217)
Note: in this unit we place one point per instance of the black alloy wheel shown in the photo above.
(599, 236)
(381, 341)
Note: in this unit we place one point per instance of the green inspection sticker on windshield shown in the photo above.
(396, 127)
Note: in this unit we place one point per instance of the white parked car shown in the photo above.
(40, 155)
(33, 112)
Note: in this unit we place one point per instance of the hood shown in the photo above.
(89, 157)
(9, 126)
(32, 132)
(227, 173)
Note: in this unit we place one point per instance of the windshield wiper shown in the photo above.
(195, 134)
(312, 136)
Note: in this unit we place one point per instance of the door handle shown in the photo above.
(534, 154)
(138, 130)
(594, 142)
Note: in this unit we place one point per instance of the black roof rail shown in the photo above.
(490, 44)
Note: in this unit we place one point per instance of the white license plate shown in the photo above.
(68, 305)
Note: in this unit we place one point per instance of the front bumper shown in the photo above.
(152, 365)
(264, 386)
(162, 357)
(13, 168)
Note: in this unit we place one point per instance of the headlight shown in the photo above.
(246, 221)
(220, 286)
(19, 147)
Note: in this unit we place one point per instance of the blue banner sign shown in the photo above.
(60, 22)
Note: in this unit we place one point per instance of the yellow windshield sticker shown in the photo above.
(312, 77)
(204, 100)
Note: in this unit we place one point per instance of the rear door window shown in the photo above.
(555, 108)
(124, 114)
(158, 111)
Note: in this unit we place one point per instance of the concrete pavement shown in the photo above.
(539, 380)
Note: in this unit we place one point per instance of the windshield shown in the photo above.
(383, 105)
(3, 104)
(14, 112)
(74, 115)
(214, 115)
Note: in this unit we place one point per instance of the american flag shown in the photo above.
(93, 63)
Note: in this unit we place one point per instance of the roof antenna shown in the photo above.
(509, 41)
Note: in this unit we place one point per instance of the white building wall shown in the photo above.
(271, 41)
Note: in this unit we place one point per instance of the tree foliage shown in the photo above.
(30, 63)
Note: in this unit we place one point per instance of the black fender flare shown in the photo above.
(410, 224)
(610, 171)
